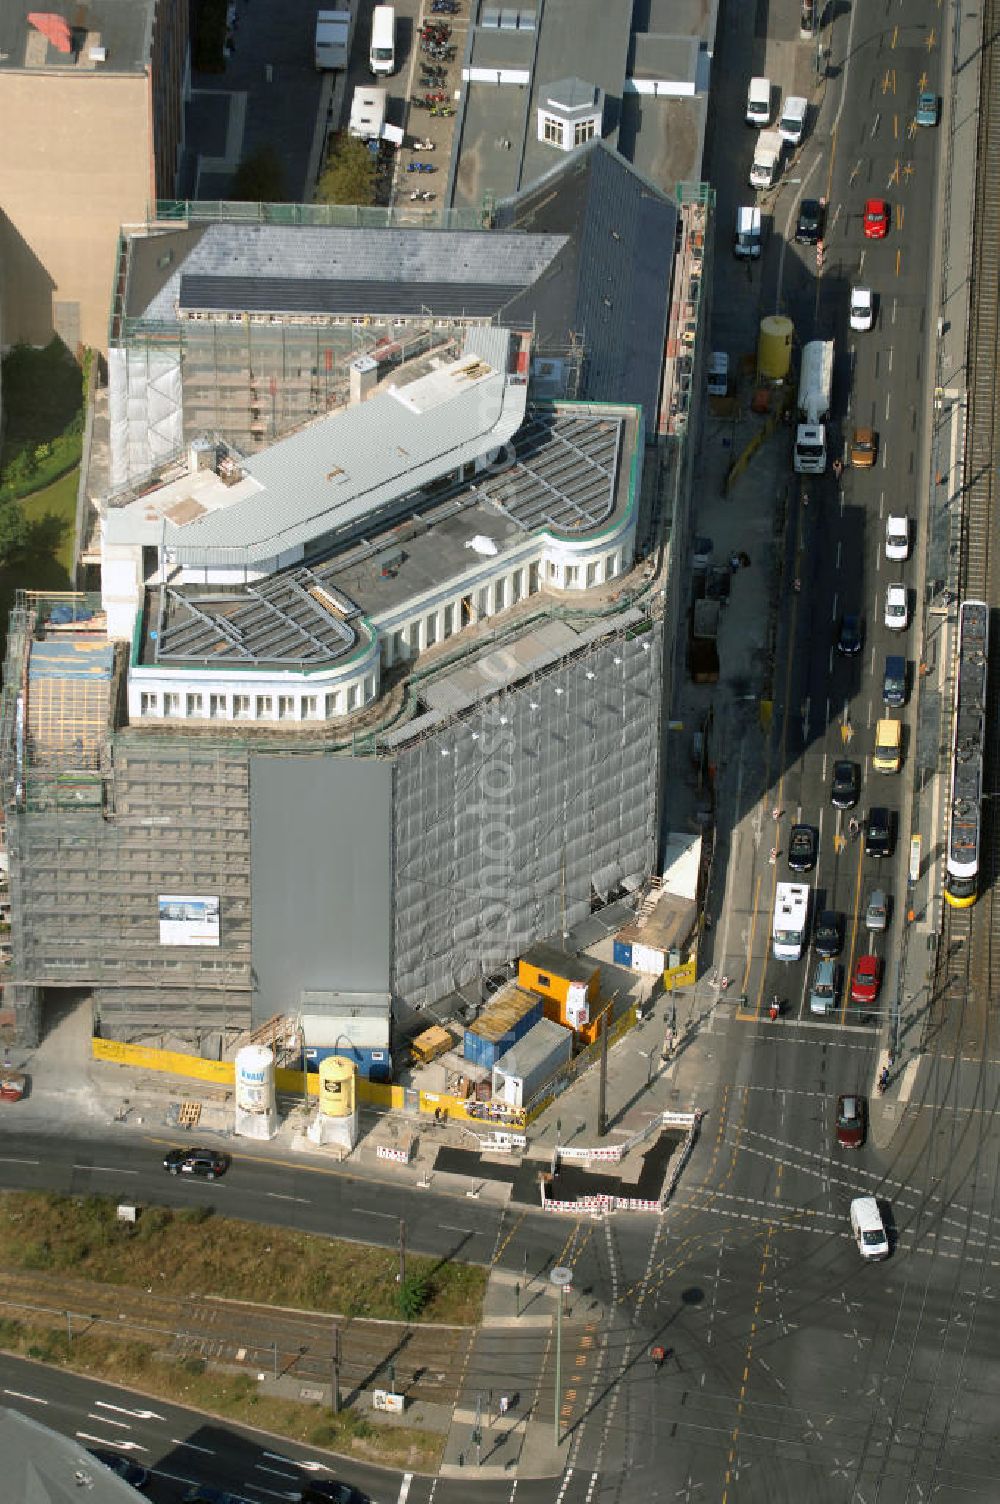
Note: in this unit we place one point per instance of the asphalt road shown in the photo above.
(863, 145)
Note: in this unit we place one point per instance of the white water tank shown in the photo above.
(256, 1108)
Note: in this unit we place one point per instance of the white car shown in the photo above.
(862, 308)
(897, 608)
(897, 537)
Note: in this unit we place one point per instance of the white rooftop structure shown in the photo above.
(346, 467)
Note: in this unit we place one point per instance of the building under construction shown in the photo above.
(364, 708)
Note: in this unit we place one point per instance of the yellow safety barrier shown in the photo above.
(680, 976)
(219, 1072)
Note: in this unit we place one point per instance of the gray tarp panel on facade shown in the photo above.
(320, 877)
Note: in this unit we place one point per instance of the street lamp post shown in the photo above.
(561, 1279)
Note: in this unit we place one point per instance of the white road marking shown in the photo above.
(363, 1211)
(6, 1159)
(404, 1488)
(304, 1462)
(177, 1442)
(278, 1196)
(110, 1441)
(106, 1169)
(277, 1471)
(17, 1394)
(839, 550)
(106, 1420)
(123, 1410)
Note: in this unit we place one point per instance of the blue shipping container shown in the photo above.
(623, 953)
(506, 1020)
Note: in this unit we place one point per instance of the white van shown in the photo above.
(868, 1228)
(748, 238)
(792, 123)
(382, 53)
(759, 102)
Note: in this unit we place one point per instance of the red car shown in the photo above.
(876, 219)
(851, 1121)
(867, 979)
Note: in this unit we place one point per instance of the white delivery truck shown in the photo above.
(333, 38)
(815, 392)
(766, 160)
(382, 51)
(367, 117)
(791, 920)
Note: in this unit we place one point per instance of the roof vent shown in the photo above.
(98, 54)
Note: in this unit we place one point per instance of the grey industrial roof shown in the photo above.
(542, 1040)
(291, 620)
(350, 467)
(610, 284)
(382, 264)
(42, 1467)
(568, 473)
(571, 967)
(124, 27)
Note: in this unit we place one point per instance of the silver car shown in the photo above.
(877, 911)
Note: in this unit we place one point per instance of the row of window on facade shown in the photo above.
(424, 631)
(405, 642)
(173, 704)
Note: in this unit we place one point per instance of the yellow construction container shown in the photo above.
(430, 1044)
(774, 348)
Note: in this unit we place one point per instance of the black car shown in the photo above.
(879, 832)
(828, 936)
(206, 1162)
(845, 790)
(802, 844)
(130, 1472)
(329, 1491)
(849, 636)
(809, 228)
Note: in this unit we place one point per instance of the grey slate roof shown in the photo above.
(381, 264)
(611, 282)
(323, 295)
(124, 27)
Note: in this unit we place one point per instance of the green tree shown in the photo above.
(13, 531)
(260, 178)
(349, 174)
(412, 1296)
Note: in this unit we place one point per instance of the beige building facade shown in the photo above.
(89, 139)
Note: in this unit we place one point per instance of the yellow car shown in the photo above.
(863, 448)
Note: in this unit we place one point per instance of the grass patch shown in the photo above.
(184, 1251)
(47, 561)
(235, 1397)
(43, 406)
